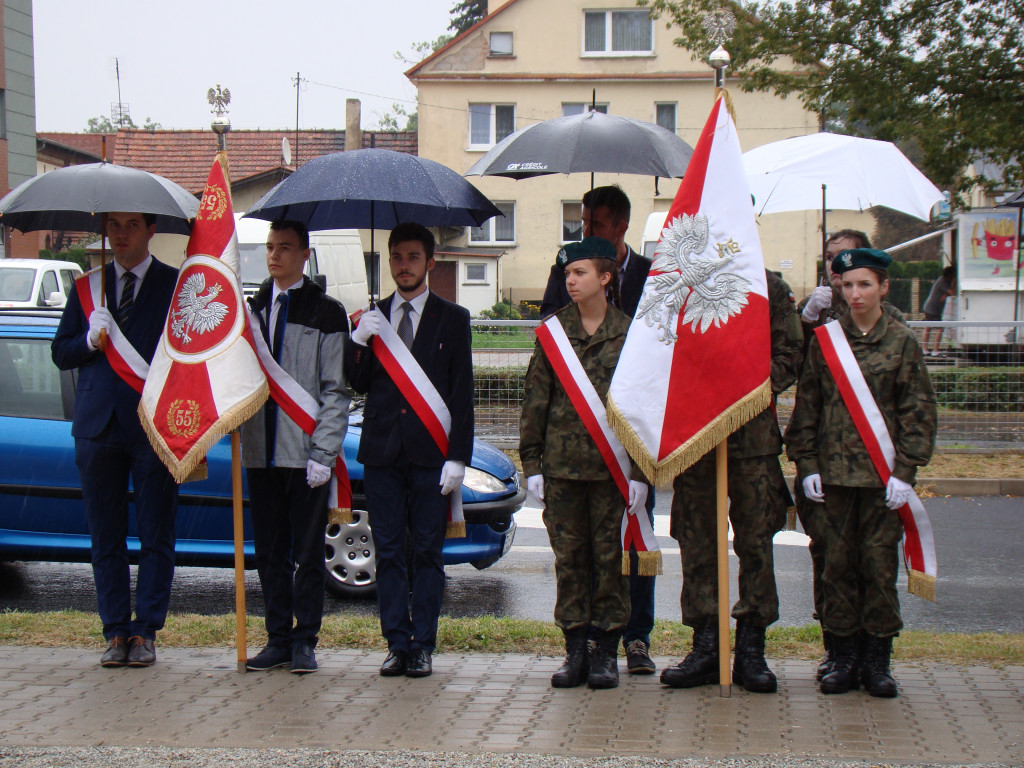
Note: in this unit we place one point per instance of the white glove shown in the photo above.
(99, 320)
(316, 474)
(452, 475)
(812, 488)
(369, 326)
(637, 496)
(535, 485)
(897, 493)
(821, 298)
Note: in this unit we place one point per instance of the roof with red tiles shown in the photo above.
(91, 143)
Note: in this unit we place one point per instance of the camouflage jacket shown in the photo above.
(552, 439)
(821, 437)
(760, 436)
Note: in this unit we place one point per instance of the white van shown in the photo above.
(652, 232)
(35, 283)
(335, 256)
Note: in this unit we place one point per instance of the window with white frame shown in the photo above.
(617, 33)
(665, 115)
(490, 123)
(499, 229)
(501, 43)
(578, 108)
(476, 272)
(572, 221)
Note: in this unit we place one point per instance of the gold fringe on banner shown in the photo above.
(455, 530)
(340, 516)
(921, 584)
(724, 92)
(647, 564)
(662, 473)
(182, 470)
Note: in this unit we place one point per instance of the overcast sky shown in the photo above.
(171, 53)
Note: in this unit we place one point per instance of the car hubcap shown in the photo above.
(350, 556)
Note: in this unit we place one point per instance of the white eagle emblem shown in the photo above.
(689, 283)
(198, 313)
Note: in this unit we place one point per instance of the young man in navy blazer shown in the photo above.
(111, 446)
(406, 476)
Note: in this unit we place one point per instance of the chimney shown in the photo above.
(353, 131)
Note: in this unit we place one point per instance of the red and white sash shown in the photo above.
(301, 407)
(918, 540)
(122, 356)
(636, 530)
(427, 403)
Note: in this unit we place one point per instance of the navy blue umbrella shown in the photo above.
(374, 189)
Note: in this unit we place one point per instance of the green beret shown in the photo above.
(587, 248)
(855, 258)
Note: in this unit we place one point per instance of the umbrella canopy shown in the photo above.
(374, 189)
(70, 198)
(592, 142)
(857, 173)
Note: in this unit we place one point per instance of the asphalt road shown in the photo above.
(980, 549)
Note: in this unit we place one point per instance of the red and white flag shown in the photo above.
(696, 364)
(205, 378)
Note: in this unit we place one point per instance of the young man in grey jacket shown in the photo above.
(288, 471)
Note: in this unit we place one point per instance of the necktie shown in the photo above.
(405, 324)
(270, 412)
(282, 318)
(127, 296)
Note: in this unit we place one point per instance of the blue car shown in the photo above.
(41, 515)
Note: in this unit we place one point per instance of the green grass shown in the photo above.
(75, 629)
(507, 338)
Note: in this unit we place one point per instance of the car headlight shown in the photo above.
(482, 482)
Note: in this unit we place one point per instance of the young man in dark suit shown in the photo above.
(407, 478)
(111, 446)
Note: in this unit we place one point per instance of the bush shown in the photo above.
(529, 310)
(499, 386)
(503, 310)
(78, 255)
(981, 390)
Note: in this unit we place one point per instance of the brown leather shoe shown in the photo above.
(116, 654)
(142, 651)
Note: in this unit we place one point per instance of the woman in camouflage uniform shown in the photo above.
(861, 524)
(565, 470)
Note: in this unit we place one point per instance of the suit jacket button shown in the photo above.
(403, 411)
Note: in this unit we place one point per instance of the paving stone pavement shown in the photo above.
(474, 704)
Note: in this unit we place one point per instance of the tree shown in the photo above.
(467, 13)
(941, 74)
(102, 124)
(391, 121)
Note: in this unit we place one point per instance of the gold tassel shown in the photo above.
(201, 472)
(724, 92)
(336, 516)
(625, 564)
(921, 584)
(647, 564)
(455, 530)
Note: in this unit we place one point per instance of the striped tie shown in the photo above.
(124, 307)
(405, 324)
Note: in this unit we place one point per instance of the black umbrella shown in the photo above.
(592, 142)
(72, 198)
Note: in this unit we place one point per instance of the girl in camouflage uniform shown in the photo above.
(861, 524)
(565, 470)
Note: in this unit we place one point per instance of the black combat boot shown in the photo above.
(574, 671)
(843, 675)
(604, 661)
(749, 668)
(874, 671)
(700, 667)
(825, 665)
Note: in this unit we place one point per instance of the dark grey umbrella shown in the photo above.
(592, 142)
(72, 198)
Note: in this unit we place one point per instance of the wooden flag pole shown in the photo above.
(239, 533)
(722, 482)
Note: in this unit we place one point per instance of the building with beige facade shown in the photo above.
(531, 60)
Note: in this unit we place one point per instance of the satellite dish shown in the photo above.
(286, 151)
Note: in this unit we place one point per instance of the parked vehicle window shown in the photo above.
(29, 381)
(48, 286)
(16, 284)
(67, 278)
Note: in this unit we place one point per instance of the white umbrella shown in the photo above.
(828, 170)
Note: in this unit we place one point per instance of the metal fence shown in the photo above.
(978, 377)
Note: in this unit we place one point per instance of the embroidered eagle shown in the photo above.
(683, 281)
(198, 313)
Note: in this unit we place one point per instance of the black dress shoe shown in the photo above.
(303, 659)
(419, 664)
(116, 654)
(141, 651)
(270, 657)
(394, 665)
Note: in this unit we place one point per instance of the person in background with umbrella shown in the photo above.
(416, 441)
(606, 215)
(110, 444)
(941, 290)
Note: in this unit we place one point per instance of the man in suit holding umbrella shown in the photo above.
(416, 441)
(110, 444)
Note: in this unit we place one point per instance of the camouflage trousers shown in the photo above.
(811, 518)
(756, 511)
(861, 540)
(583, 519)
